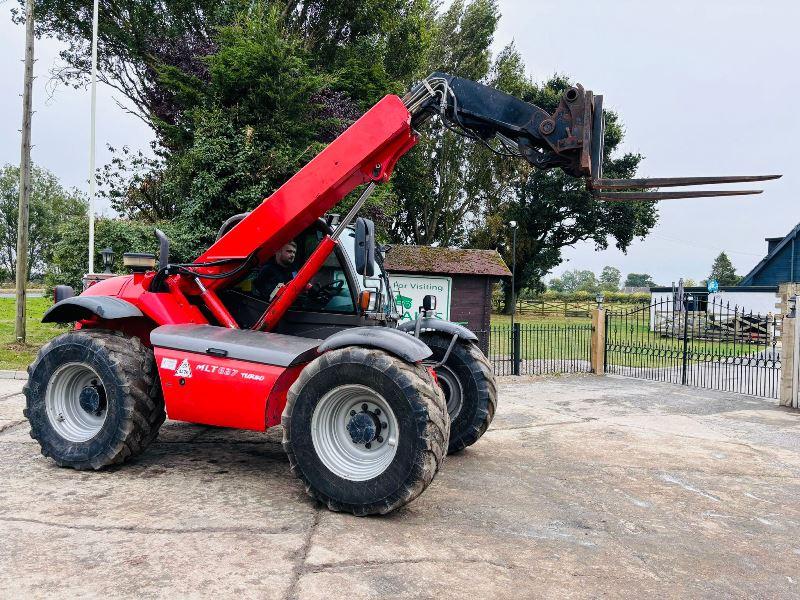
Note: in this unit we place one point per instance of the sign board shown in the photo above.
(409, 290)
(713, 285)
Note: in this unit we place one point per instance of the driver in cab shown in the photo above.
(277, 272)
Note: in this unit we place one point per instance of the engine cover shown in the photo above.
(227, 377)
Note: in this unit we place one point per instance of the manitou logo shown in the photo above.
(184, 370)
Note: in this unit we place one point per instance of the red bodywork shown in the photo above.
(233, 393)
(222, 391)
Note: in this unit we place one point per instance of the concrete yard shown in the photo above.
(584, 487)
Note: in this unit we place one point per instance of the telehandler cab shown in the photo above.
(365, 422)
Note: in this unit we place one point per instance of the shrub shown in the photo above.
(70, 261)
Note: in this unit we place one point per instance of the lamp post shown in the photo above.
(513, 225)
(108, 255)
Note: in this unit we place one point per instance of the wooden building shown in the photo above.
(461, 279)
(780, 265)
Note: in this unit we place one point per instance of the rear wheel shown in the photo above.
(93, 399)
(469, 386)
(364, 430)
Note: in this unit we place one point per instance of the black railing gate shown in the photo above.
(537, 348)
(699, 343)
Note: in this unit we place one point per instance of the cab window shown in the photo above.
(329, 289)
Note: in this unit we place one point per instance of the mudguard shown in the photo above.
(447, 327)
(85, 307)
(393, 341)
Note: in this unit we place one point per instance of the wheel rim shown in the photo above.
(453, 392)
(76, 402)
(350, 438)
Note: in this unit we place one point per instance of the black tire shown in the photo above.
(128, 385)
(418, 408)
(477, 387)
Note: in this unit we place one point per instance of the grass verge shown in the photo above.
(16, 356)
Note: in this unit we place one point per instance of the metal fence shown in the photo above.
(537, 349)
(704, 344)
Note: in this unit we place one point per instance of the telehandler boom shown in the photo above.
(366, 425)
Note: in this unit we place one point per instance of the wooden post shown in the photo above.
(24, 177)
(598, 343)
(787, 392)
(789, 388)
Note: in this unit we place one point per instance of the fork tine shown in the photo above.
(655, 196)
(654, 182)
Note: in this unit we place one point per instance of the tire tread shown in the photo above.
(144, 405)
(431, 413)
(483, 375)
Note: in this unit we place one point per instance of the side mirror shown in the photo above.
(429, 303)
(365, 247)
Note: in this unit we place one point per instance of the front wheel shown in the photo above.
(469, 386)
(93, 399)
(364, 430)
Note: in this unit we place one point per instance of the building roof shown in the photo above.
(764, 266)
(451, 261)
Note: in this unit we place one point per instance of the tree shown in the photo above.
(135, 186)
(575, 281)
(552, 209)
(239, 94)
(68, 261)
(373, 43)
(556, 284)
(50, 203)
(638, 280)
(442, 181)
(610, 279)
(723, 271)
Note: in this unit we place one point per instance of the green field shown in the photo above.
(637, 346)
(537, 320)
(16, 356)
(548, 338)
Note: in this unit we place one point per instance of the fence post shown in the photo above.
(598, 343)
(790, 357)
(684, 362)
(515, 349)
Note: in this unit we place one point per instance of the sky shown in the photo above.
(702, 87)
(60, 123)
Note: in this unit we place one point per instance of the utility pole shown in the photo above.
(24, 177)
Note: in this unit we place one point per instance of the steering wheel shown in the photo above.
(325, 293)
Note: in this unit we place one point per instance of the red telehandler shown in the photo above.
(366, 425)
